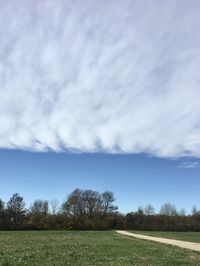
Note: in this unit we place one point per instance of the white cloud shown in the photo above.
(189, 164)
(113, 76)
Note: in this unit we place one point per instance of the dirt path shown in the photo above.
(178, 243)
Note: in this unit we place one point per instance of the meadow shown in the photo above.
(87, 248)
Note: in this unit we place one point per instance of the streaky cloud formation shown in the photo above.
(100, 76)
(189, 164)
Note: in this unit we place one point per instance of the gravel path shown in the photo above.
(178, 243)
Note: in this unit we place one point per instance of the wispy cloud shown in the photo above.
(189, 164)
(113, 76)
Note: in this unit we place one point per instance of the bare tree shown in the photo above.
(107, 200)
(1, 205)
(39, 207)
(195, 211)
(54, 203)
(168, 209)
(140, 210)
(149, 210)
(16, 209)
(86, 208)
(182, 212)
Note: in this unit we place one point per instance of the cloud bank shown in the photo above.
(109, 76)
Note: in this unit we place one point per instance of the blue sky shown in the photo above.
(88, 88)
(136, 180)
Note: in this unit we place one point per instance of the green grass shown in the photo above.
(185, 236)
(87, 248)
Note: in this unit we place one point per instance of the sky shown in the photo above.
(135, 180)
(103, 95)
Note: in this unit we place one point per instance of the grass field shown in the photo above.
(185, 236)
(87, 248)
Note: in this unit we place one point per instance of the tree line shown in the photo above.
(91, 210)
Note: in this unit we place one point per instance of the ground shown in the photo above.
(185, 236)
(87, 248)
